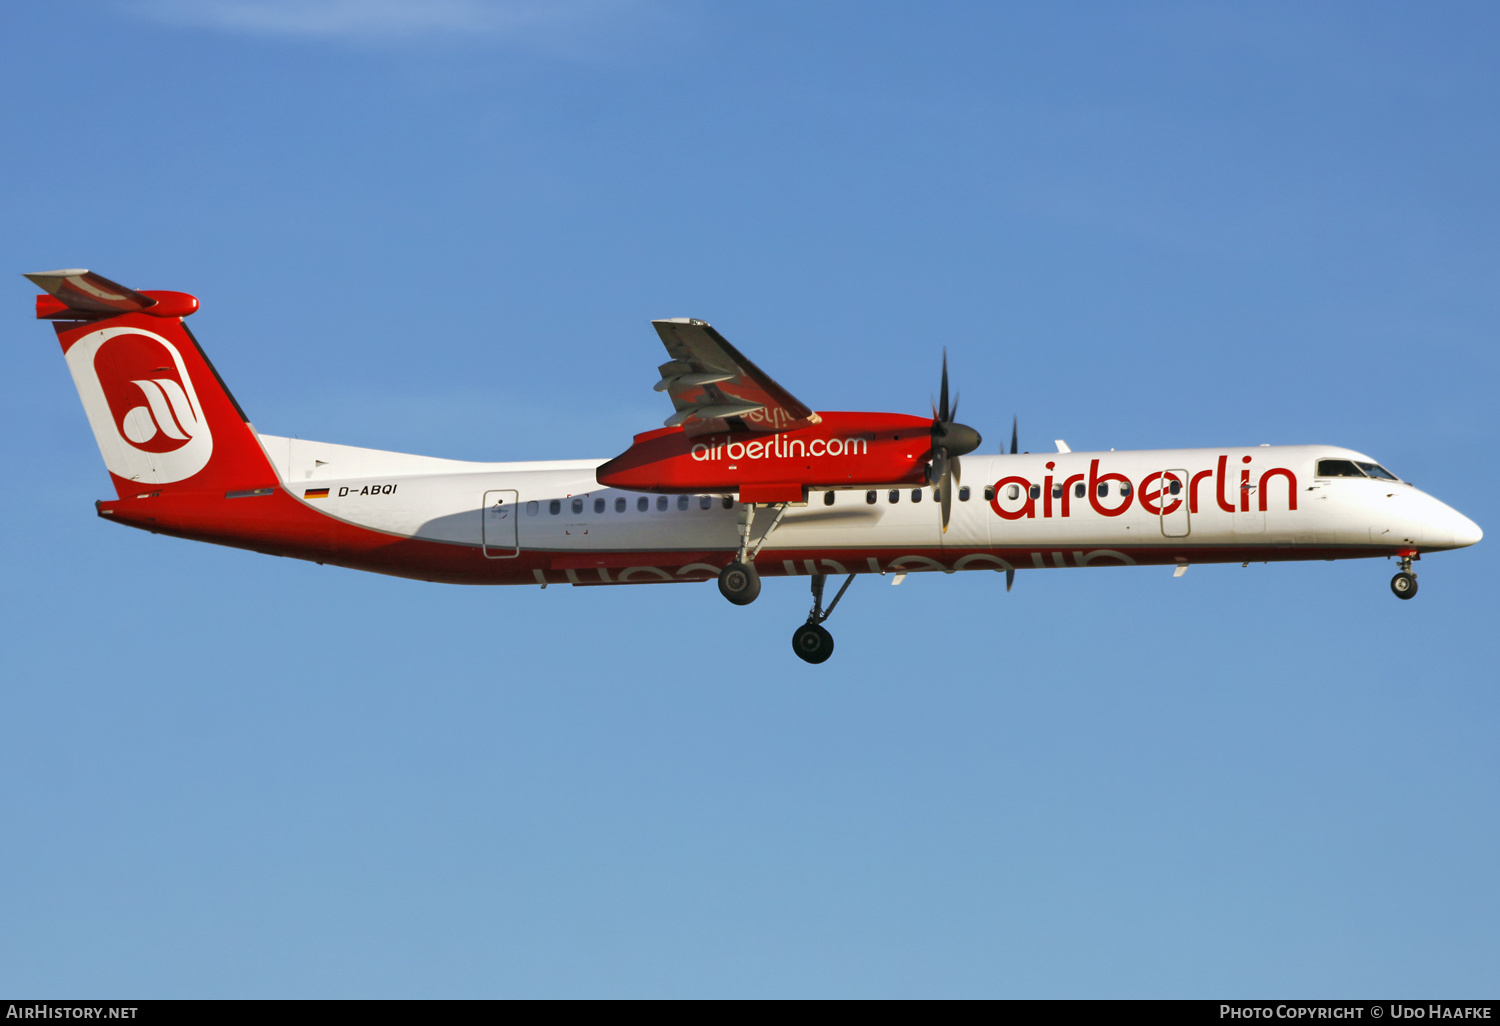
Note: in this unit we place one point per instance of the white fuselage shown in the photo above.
(1049, 510)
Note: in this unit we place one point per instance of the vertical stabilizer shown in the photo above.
(162, 417)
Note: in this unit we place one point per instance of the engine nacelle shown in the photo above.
(843, 450)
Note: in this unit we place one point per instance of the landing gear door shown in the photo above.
(498, 524)
(1173, 503)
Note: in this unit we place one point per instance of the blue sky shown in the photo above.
(443, 228)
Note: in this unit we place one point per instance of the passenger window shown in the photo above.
(895, 495)
(916, 495)
(1175, 487)
(598, 505)
(577, 505)
(1078, 490)
(533, 508)
(620, 504)
(1057, 491)
(682, 503)
(1125, 488)
(963, 494)
(554, 507)
(1338, 468)
(643, 504)
(1103, 489)
(727, 502)
(828, 498)
(705, 502)
(661, 503)
(1013, 492)
(989, 493)
(1035, 491)
(1377, 471)
(937, 495)
(870, 498)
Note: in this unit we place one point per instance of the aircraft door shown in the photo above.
(1252, 520)
(498, 524)
(1173, 504)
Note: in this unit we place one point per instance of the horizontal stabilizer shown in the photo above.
(90, 295)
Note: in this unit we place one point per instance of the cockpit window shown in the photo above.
(1338, 468)
(1377, 471)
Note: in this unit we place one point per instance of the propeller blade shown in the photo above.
(949, 442)
(944, 414)
(1013, 446)
(958, 474)
(947, 497)
(1010, 578)
(938, 468)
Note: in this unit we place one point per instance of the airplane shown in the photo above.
(742, 480)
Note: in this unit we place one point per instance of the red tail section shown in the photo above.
(162, 417)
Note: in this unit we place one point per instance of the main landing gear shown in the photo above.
(738, 582)
(1404, 584)
(811, 642)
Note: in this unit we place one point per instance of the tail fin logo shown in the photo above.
(141, 404)
(167, 412)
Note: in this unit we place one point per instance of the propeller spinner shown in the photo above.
(950, 440)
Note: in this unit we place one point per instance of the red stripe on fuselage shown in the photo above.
(278, 524)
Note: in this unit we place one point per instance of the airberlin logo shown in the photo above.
(781, 447)
(141, 404)
(167, 418)
(1160, 494)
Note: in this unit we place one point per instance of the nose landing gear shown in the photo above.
(1404, 584)
(811, 642)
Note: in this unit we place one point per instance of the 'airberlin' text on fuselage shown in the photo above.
(781, 447)
(1160, 494)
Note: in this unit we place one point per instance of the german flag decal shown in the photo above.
(315, 493)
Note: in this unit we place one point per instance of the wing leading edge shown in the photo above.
(714, 387)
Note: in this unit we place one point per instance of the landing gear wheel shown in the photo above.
(739, 583)
(1404, 585)
(812, 643)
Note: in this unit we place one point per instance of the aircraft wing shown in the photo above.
(715, 388)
